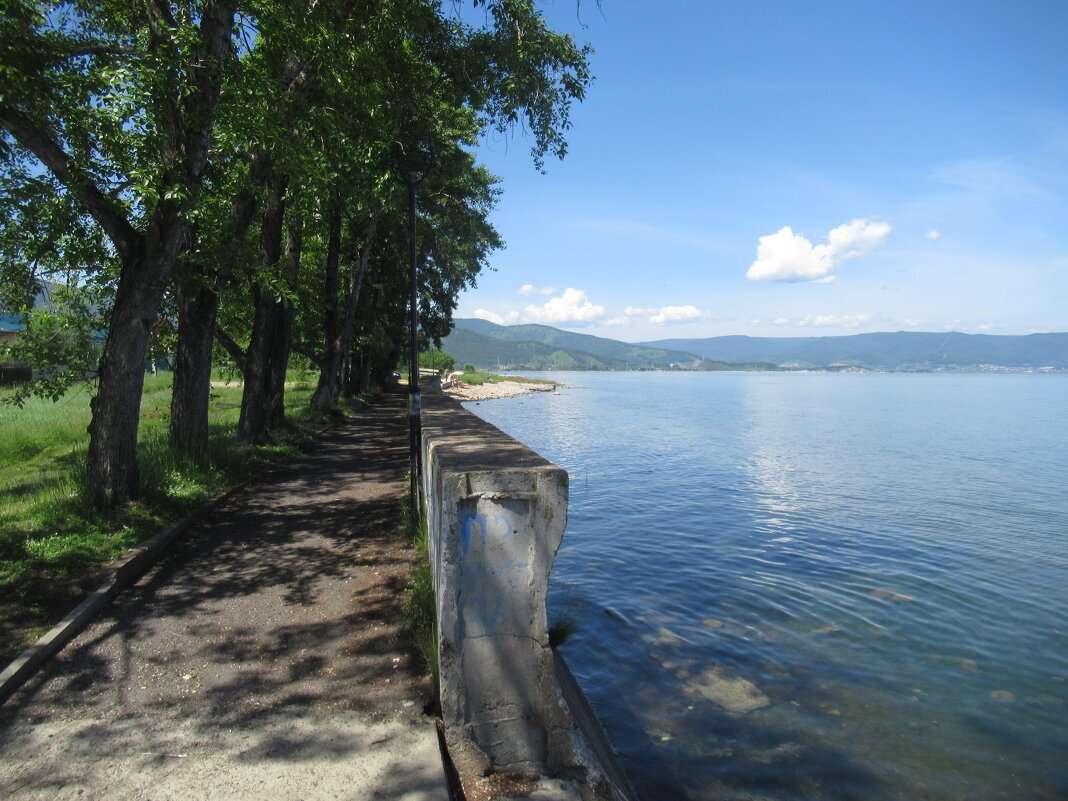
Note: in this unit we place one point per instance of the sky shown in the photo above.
(795, 169)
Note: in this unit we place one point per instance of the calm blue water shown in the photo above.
(816, 586)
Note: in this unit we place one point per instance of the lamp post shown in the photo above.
(415, 422)
(411, 163)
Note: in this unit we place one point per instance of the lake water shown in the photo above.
(816, 586)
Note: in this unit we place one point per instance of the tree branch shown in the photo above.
(315, 358)
(231, 347)
(205, 77)
(103, 208)
(76, 51)
(162, 25)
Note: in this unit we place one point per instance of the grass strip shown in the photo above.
(420, 605)
(478, 378)
(53, 543)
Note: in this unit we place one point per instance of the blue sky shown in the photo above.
(796, 169)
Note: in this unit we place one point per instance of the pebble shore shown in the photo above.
(496, 389)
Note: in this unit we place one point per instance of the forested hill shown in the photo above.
(541, 347)
(902, 350)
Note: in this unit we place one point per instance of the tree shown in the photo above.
(191, 149)
(437, 359)
(117, 103)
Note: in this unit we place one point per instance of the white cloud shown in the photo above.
(493, 317)
(530, 289)
(676, 314)
(839, 320)
(910, 322)
(666, 314)
(786, 256)
(934, 234)
(615, 322)
(571, 307)
(984, 327)
(826, 321)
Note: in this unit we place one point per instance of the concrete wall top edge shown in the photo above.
(460, 441)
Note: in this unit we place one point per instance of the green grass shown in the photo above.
(480, 377)
(420, 605)
(53, 544)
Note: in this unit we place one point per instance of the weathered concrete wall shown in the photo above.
(496, 513)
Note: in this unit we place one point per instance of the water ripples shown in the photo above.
(817, 586)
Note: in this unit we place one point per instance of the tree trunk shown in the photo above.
(112, 471)
(283, 330)
(254, 420)
(324, 395)
(364, 383)
(186, 113)
(339, 345)
(198, 305)
(199, 295)
(345, 389)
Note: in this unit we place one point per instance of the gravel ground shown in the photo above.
(262, 658)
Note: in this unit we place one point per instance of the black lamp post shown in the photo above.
(415, 421)
(412, 163)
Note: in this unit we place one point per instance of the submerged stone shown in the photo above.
(736, 695)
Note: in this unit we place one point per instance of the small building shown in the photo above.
(10, 325)
(12, 373)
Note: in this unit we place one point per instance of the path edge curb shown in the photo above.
(122, 573)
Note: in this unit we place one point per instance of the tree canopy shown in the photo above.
(233, 171)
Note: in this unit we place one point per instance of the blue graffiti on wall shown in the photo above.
(484, 613)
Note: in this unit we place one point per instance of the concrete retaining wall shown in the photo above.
(496, 513)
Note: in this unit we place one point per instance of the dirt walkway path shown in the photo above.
(263, 659)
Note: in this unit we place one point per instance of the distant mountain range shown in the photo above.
(541, 347)
(903, 350)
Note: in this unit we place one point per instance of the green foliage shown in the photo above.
(474, 378)
(60, 341)
(435, 359)
(47, 240)
(420, 609)
(420, 605)
(529, 72)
